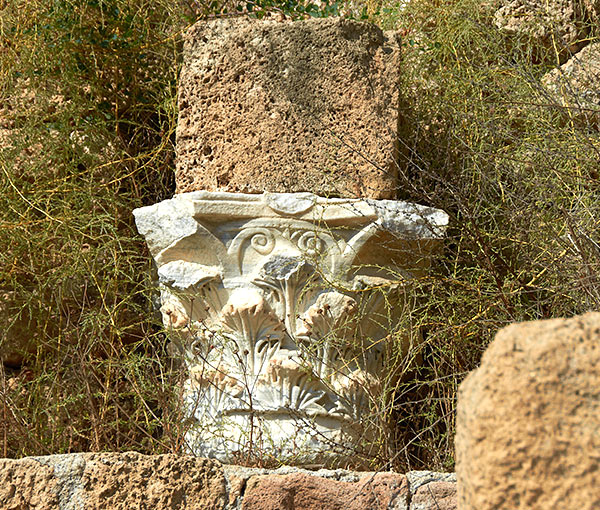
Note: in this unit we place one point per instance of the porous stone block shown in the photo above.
(111, 481)
(300, 491)
(435, 496)
(303, 106)
(27, 483)
(432, 491)
(528, 424)
(123, 481)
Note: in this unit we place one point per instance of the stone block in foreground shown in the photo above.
(294, 488)
(528, 424)
(300, 491)
(112, 481)
(307, 106)
(124, 481)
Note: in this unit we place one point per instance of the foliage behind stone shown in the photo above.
(87, 123)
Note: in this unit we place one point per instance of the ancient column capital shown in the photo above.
(280, 304)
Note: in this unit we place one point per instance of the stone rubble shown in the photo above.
(563, 25)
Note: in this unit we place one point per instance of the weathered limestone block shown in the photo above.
(27, 483)
(528, 424)
(123, 481)
(111, 481)
(374, 491)
(280, 304)
(574, 85)
(560, 24)
(307, 106)
(432, 491)
(327, 489)
(435, 495)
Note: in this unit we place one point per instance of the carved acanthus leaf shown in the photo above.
(326, 329)
(174, 313)
(213, 392)
(289, 283)
(355, 392)
(255, 331)
(290, 385)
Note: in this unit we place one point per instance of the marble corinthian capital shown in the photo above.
(282, 306)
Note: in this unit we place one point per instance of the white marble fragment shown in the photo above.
(280, 305)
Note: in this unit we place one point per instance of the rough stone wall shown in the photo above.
(115, 481)
(111, 481)
(274, 106)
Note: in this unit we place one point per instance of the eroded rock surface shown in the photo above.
(27, 483)
(574, 85)
(115, 481)
(300, 491)
(561, 24)
(430, 490)
(435, 495)
(529, 419)
(288, 107)
(93, 481)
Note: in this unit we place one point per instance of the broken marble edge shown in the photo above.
(406, 219)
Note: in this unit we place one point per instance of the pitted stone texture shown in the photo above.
(274, 106)
(115, 481)
(561, 24)
(27, 484)
(574, 85)
(435, 496)
(428, 490)
(93, 481)
(528, 424)
(238, 477)
(432, 491)
(380, 491)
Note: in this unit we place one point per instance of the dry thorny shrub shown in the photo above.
(88, 117)
(87, 121)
